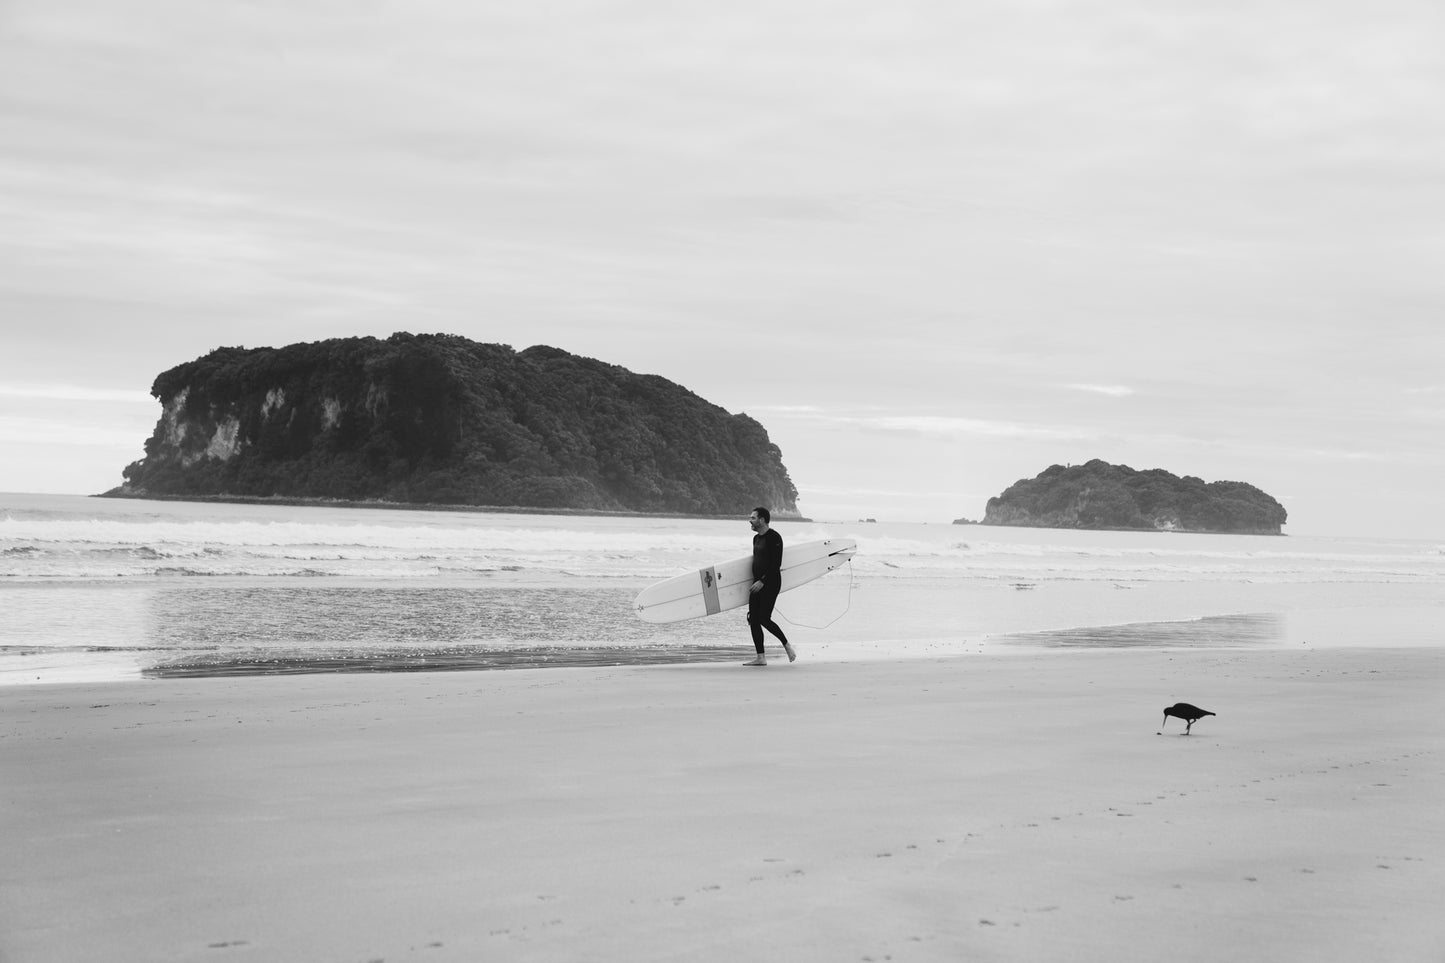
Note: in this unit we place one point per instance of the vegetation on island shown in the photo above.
(1098, 495)
(440, 419)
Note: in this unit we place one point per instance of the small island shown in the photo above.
(1098, 495)
(440, 420)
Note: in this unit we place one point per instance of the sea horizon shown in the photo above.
(386, 505)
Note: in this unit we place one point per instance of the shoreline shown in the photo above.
(1368, 629)
(482, 660)
(997, 807)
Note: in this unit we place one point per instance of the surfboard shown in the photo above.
(718, 588)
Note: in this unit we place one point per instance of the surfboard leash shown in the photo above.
(846, 606)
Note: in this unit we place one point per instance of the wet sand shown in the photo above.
(983, 807)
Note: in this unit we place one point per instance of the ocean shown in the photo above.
(98, 589)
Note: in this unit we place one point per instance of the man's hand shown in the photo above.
(756, 586)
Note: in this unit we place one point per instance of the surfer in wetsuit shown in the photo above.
(767, 583)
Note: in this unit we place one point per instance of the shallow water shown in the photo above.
(104, 589)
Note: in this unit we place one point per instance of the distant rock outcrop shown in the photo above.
(1098, 495)
(440, 419)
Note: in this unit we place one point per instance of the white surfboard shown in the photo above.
(718, 588)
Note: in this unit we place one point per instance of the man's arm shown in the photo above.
(775, 555)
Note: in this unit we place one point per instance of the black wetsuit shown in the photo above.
(767, 568)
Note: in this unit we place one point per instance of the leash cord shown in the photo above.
(846, 606)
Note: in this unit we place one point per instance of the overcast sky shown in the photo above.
(934, 247)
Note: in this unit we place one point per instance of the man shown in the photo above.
(767, 583)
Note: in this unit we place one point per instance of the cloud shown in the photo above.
(75, 393)
(949, 426)
(934, 425)
(1113, 391)
(789, 409)
(825, 491)
(1341, 454)
(16, 430)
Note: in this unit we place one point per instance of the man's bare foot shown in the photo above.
(792, 656)
(760, 660)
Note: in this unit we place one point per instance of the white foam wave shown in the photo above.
(349, 537)
(57, 545)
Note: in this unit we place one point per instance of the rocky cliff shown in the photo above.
(1098, 495)
(440, 419)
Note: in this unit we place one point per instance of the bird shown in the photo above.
(1183, 710)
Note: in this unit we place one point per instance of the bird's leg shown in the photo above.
(1188, 724)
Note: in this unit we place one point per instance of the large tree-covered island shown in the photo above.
(1098, 495)
(443, 420)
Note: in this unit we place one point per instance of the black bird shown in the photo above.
(1190, 714)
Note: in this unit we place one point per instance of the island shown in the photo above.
(439, 419)
(1098, 495)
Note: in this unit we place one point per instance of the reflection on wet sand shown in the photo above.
(1215, 631)
(534, 657)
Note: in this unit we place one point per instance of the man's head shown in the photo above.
(760, 519)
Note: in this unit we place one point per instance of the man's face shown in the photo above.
(755, 523)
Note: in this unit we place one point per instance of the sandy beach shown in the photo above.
(989, 807)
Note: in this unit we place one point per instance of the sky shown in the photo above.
(933, 247)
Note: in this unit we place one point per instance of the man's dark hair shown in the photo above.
(764, 514)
